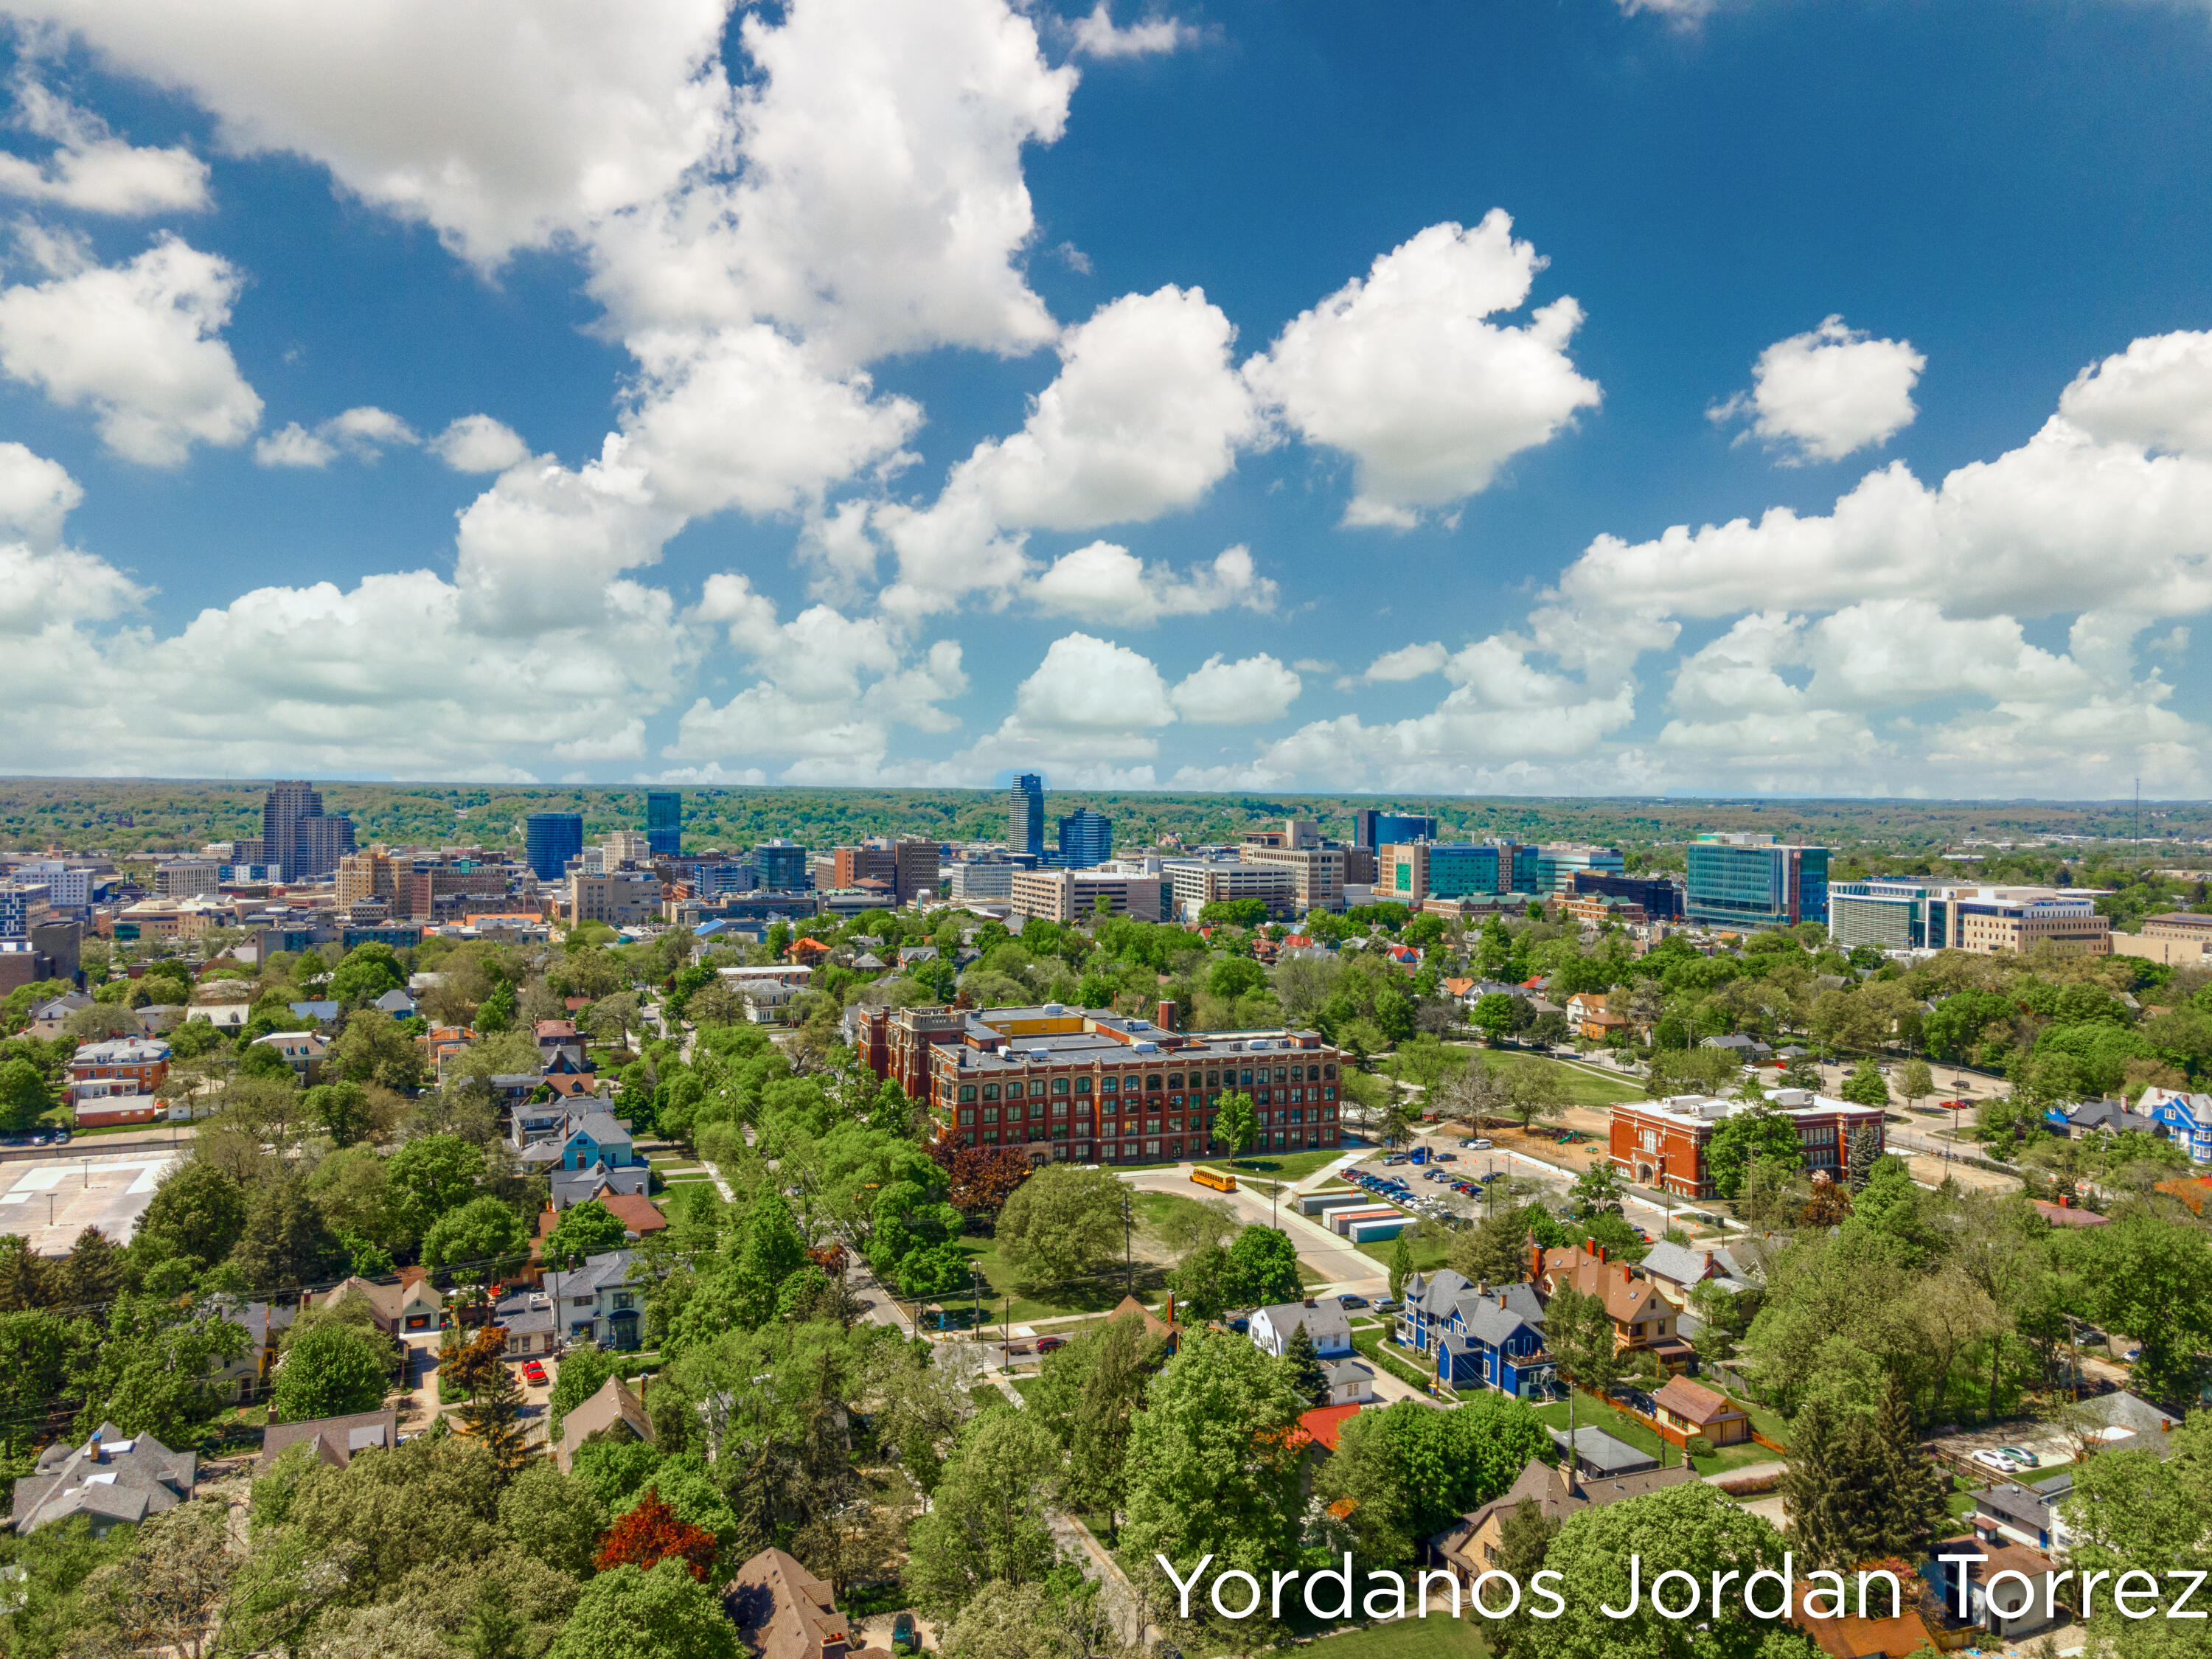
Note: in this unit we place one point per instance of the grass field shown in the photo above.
(1278, 1166)
(1584, 1088)
(1620, 1425)
(1429, 1254)
(1437, 1637)
(1052, 1302)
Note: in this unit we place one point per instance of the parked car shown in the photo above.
(1385, 1304)
(2026, 1460)
(1050, 1344)
(1396, 1159)
(1241, 1324)
(1447, 1158)
(1478, 1146)
(2132, 1355)
(61, 1137)
(1351, 1301)
(1990, 1460)
(533, 1373)
(42, 1140)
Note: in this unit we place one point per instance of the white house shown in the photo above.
(1322, 1316)
(1350, 1381)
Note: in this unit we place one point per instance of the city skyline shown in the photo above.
(1473, 403)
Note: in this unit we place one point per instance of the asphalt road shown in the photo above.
(1342, 1267)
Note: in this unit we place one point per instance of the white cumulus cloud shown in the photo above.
(364, 432)
(1403, 370)
(478, 443)
(140, 345)
(1827, 393)
(90, 169)
(1241, 693)
(1106, 583)
(1097, 36)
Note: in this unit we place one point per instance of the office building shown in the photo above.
(1317, 872)
(2174, 924)
(1078, 894)
(298, 835)
(1296, 834)
(1988, 919)
(1889, 915)
(620, 898)
(1088, 1085)
(188, 877)
(1025, 815)
(1085, 838)
(1753, 881)
(627, 847)
(664, 823)
(550, 840)
(1196, 883)
(1658, 897)
(1409, 872)
(1558, 864)
(1373, 830)
(980, 879)
(907, 868)
(368, 876)
(781, 864)
(1663, 1143)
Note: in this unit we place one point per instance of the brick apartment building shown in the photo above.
(908, 868)
(1663, 1143)
(1092, 1086)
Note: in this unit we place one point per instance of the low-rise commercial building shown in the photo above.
(620, 898)
(1663, 1143)
(1316, 872)
(1197, 883)
(1078, 895)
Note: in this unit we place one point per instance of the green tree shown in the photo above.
(262, 1060)
(988, 1519)
(584, 1229)
(1496, 1251)
(1090, 1392)
(1578, 1334)
(1412, 1470)
(1061, 1222)
(2151, 1278)
(342, 1109)
(665, 1613)
(332, 1370)
(1401, 1266)
(23, 1098)
(584, 1371)
(1744, 1138)
(285, 1242)
(553, 1516)
(376, 1049)
(368, 971)
(2144, 1511)
(1212, 1470)
(1237, 1124)
(1301, 1363)
(1263, 1268)
(1866, 1087)
(484, 1236)
(1692, 1527)
(148, 1372)
(1829, 1489)
(1494, 1015)
(197, 1214)
(431, 1175)
(1598, 1190)
(1915, 1082)
(1524, 1549)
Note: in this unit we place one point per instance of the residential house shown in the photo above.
(613, 1413)
(1324, 1320)
(2065, 1213)
(1581, 1006)
(1750, 1050)
(49, 1018)
(1683, 1409)
(1472, 1546)
(2107, 1117)
(245, 1378)
(557, 1038)
(2031, 1609)
(303, 1052)
(639, 1215)
(120, 1065)
(576, 1138)
(1351, 1380)
(1477, 1337)
(331, 1440)
(1916, 1625)
(399, 1004)
(408, 1307)
(109, 1478)
(2186, 1119)
(1642, 1319)
(441, 1042)
(1323, 1427)
(160, 1018)
(1675, 1270)
(529, 1319)
(317, 1013)
(784, 1612)
(2124, 1422)
(2025, 1513)
(574, 1187)
(1166, 1329)
(598, 1301)
(1603, 1456)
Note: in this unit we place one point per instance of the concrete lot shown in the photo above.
(52, 1203)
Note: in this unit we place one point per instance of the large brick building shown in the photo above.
(1092, 1086)
(1663, 1143)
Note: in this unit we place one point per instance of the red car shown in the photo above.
(533, 1372)
(1050, 1344)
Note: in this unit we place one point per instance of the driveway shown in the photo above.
(1342, 1267)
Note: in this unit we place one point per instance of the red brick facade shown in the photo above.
(1663, 1143)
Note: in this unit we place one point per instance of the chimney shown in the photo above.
(1166, 1020)
(834, 1645)
(95, 1449)
(1170, 1307)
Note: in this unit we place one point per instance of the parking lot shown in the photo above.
(50, 1203)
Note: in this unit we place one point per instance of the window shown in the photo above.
(1059, 1086)
(990, 1092)
(1037, 1088)
(1245, 1078)
(1213, 1080)
(1174, 1079)
(1328, 1070)
(990, 1114)
(1083, 1085)
(968, 1092)
(1152, 1083)
(1059, 1109)
(967, 1114)
(1111, 1086)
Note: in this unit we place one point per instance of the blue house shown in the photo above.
(1475, 1336)
(2186, 1120)
(567, 1138)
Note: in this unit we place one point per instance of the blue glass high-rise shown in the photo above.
(664, 823)
(550, 840)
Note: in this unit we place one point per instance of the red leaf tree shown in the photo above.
(981, 1179)
(652, 1533)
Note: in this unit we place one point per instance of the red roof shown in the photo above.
(1324, 1425)
(637, 1214)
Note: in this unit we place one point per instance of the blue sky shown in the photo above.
(1772, 395)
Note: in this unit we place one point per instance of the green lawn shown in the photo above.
(1584, 1088)
(1369, 1345)
(1259, 1167)
(1095, 1296)
(1589, 1414)
(1439, 1635)
(1429, 1254)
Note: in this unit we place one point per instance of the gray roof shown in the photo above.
(314, 1010)
(1676, 1263)
(1489, 1323)
(1599, 1453)
(109, 1478)
(1348, 1370)
(334, 1440)
(601, 1126)
(2028, 1506)
(574, 1187)
(2110, 1115)
(598, 1272)
(395, 1002)
(2148, 1429)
